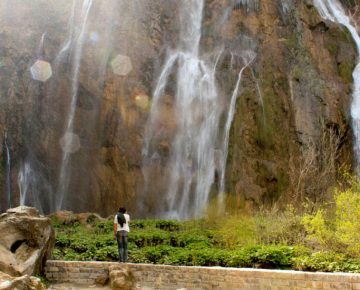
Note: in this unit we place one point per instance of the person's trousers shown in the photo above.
(122, 241)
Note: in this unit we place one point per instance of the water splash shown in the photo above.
(78, 42)
(332, 10)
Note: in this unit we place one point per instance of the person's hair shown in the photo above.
(122, 210)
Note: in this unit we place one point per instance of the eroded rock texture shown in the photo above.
(26, 241)
(24, 282)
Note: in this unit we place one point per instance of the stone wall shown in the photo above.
(145, 276)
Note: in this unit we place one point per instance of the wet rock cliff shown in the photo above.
(291, 130)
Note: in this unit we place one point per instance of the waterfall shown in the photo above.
(40, 52)
(248, 59)
(70, 141)
(8, 172)
(68, 42)
(332, 10)
(29, 182)
(24, 180)
(194, 140)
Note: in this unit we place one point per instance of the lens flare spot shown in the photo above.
(94, 36)
(142, 101)
(41, 70)
(70, 143)
(121, 65)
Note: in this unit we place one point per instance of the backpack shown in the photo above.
(121, 219)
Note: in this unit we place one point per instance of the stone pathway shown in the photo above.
(71, 286)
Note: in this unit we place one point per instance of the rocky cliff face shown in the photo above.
(289, 137)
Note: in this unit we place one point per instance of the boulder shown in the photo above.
(24, 282)
(65, 217)
(28, 241)
(121, 278)
(88, 218)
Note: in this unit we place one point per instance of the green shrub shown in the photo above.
(107, 253)
(179, 256)
(156, 255)
(103, 227)
(318, 229)
(238, 258)
(340, 231)
(62, 240)
(167, 225)
(154, 237)
(348, 218)
(236, 231)
(326, 262)
(273, 257)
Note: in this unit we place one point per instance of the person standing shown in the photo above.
(121, 230)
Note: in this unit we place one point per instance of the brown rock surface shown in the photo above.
(26, 241)
(24, 282)
(121, 279)
(297, 91)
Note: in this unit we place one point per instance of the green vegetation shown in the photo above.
(345, 71)
(320, 239)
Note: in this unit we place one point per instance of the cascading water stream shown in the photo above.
(24, 180)
(8, 172)
(196, 119)
(197, 114)
(332, 10)
(68, 42)
(69, 136)
(248, 59)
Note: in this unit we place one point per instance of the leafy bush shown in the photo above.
(266, 227)
(348, 218)
(149, 238)
(340, 231)
(262, 257)
(318, 229)
(326, 262)
(168, 225)
(238, 258)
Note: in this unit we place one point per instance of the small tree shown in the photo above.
(339, 231)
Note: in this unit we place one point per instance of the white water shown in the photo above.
(196, 117)
(197, 113)
(28, 182)
(248, 58)
(41, 46)
(78, 42)
(332, 10)
(24, 180)
(70, 37)
(8, 172)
